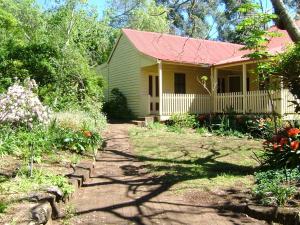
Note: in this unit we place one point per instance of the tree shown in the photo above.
(58, 47)
(285, 21)
(139, 14)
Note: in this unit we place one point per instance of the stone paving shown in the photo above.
(119, 193)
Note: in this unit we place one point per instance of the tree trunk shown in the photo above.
(285, 20)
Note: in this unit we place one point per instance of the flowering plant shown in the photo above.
(283, 149)
(21, 105)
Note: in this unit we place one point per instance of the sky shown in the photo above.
(98, 4)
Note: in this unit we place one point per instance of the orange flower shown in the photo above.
(87, 133)
(293, 132)
(294, 145)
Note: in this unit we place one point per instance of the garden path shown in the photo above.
(120, 192)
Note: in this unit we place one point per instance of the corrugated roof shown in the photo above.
(174, 48)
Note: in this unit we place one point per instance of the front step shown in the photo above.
(143, 122)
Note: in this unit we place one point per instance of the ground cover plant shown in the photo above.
(194, 161)
(37, 145)
(276, 187)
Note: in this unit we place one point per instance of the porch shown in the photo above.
(233, 88)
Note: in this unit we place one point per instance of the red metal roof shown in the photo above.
(174, 48)
(275, 46)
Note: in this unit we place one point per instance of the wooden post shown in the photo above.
(281, 109)
(160, 80)
(244, 88)
(214, 80)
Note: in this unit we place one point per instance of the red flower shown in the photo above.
(283, 141)
(87, 133)
(276, 138)
(202, 117)
(275, 147)
(294, 145)
(293, 132)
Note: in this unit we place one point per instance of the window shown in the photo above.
(150, 86)
(248, 84)
(179, 83)
(156, 86)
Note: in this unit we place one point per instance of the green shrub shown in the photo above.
(276, 187)
(40, 179)
(201, 130)
(182, 120)
(78, 120)
(156, 126)
(116, 107)
(283, 149)
(3, 206)
(257, 126)
(41, 139)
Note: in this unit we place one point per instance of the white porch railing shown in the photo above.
(185, 103)
(224, 101)
(256, 102)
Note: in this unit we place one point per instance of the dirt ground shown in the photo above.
(120, 192)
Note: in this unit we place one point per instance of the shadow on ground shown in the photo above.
(146, 199)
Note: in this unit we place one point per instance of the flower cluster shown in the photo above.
(20, 105)
(287, 139)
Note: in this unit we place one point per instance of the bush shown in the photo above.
(78, 120)
(283, 149)
(21, 106)
(276, 187)
(43, 139)
(257, 126)
(182, 120)
(117, 107)
(40, 179)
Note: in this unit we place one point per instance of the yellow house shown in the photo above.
(160, 74)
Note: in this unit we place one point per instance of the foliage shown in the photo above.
(20, 105)
(256, 37)
(40, 179)
(138, 14)
(59, 53)
(286, 64)
(78, 141)
(275, 187)
(182, 120)
(116, 107)
(77, 120)
(43, 139)
(257, 126)
(3, 206)
(283, 149)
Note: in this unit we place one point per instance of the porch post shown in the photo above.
(214, 83)
(244, 88)
(160, 80)
(281, 109)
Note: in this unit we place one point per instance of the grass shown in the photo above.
(192, 161)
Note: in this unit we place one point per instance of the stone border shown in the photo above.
(285, 216)
(47, 208)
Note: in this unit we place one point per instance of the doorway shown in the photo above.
(153, 88)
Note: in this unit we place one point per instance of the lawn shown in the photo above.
(194, 161)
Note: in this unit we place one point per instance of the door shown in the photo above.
(234, 84)
(154, 94)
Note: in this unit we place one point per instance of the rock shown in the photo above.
(55, 191)
(261, 212)
(41, 213)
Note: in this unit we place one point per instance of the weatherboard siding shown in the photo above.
(124, 69)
